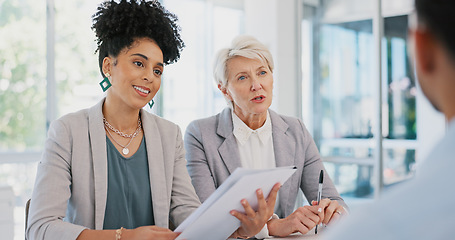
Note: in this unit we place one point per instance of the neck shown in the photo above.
(123, 118)
(450, 114)
(253, 121)
(445, 97)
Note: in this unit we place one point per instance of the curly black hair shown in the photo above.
(118, 25)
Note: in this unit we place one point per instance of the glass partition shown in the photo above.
(346, 85)
(338, 72)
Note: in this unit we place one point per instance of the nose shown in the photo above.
(148, 76)
(255, 84)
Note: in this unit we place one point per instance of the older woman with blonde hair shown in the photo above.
(248, 134)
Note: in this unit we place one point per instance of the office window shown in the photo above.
(22, 99)
(341, 102)
(76, 65)
(22, 75)
(188, 90)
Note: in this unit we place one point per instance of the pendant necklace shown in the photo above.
(125, 149)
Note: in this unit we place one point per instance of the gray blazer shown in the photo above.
(71, 183)
(212, 155)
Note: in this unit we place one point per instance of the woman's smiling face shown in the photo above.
(135, 73)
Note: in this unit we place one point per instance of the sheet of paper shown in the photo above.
(212, 219)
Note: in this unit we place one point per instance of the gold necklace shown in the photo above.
(125, 149)
(118, 131)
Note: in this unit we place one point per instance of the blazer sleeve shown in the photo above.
(198, 166)
(183, 199)
(313, 165)
(52, 189)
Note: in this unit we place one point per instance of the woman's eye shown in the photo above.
(157, 72)
(242, 78)
(139, 64)
(263, 72)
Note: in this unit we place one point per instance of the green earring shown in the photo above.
(151, 104)
(105, 84)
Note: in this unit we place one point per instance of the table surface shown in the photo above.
(297, 236)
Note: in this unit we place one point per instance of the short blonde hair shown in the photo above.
(244, 46)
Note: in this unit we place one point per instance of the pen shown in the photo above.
(321, 180)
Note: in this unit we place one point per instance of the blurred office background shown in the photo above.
(341, 66)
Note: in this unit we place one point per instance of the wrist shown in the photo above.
(237, 234)
(273, 226)
(125, 234)
(118, 233)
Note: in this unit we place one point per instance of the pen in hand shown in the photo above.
(321, 180)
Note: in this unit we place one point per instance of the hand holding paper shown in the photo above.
(212, 220)
(251, 221)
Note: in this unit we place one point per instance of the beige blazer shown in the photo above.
(71, 183)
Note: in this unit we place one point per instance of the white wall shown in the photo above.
(273, 22)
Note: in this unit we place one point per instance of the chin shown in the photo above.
(435, 106)
(260, 111)
(138, 105)
(428, 96)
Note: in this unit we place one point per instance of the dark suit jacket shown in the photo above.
(212, 155)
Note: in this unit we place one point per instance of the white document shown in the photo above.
(212, 219)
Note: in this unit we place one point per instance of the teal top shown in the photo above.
(129, 199)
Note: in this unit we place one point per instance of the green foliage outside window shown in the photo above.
(22, 74)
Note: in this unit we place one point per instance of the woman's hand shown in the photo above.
(149, 232)
(332, 210)
(252, 222)
(301, 220)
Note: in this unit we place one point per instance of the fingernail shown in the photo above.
(232, 213)
(319, 209)
(243, 201)
(259, 191)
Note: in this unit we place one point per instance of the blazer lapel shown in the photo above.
(99, 158)
(156, 169)
(283, 145)
(284, 149)
(228, 149)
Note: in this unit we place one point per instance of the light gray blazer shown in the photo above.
(71, 183)
(212, 155)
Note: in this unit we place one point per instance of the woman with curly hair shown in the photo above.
(115, 171)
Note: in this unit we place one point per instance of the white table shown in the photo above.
(298, 236)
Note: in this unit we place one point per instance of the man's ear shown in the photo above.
(224, 91)
(425, 51)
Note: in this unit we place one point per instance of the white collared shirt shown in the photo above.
(256, 151)
(255, 146)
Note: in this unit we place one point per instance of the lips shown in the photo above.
(259, 98)
(143, 91)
